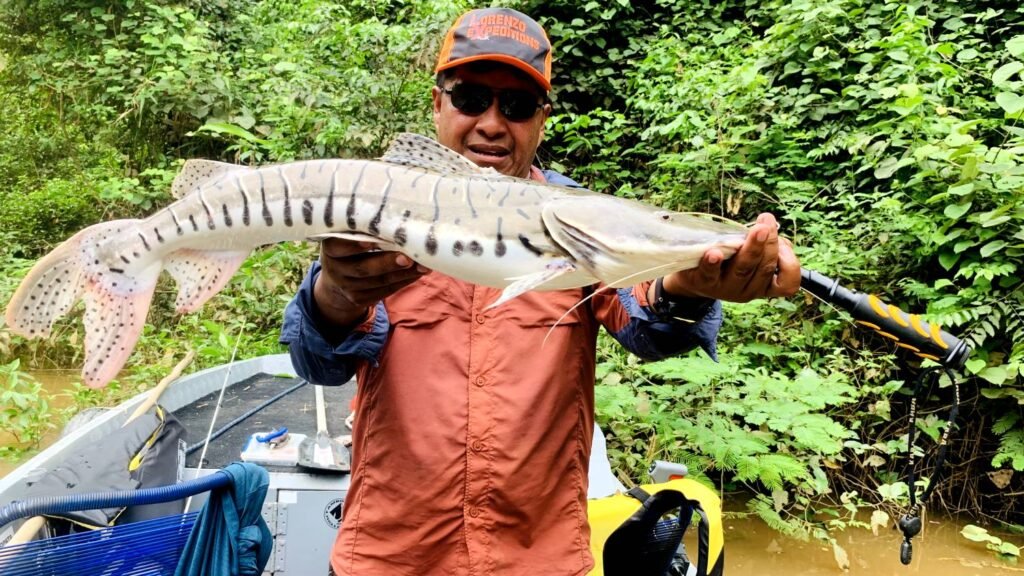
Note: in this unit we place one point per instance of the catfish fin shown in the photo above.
(534, 281)
(114, 317)
(197, 172)
(410, 149)
(201, 274)
(116, 301)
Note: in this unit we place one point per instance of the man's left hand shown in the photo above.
(764, 266)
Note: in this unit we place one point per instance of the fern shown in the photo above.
(1005, 423)
(730, 445)
(820, 433)
(747, 469)
(765, 510)
(1011, 448)
(692, 368)
(777, 469)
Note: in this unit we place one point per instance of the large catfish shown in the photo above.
(421, 199)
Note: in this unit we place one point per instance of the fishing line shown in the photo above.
(607, 286)
(216, 409)
(225, 428)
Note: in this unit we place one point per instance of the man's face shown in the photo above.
(490, 139)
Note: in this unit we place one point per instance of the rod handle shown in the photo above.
(908, 331)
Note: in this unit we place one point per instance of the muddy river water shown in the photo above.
(56, 384)
(752, 548)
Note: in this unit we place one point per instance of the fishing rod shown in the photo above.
(925, 340)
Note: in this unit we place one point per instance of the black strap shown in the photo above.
(631, 550)
(703, 539)
(910, 523)
(639, 493)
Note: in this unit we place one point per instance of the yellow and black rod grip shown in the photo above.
(906, 330)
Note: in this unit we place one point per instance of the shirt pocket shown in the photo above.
(425, 302)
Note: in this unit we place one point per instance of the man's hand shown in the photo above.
(764, 266)
(355, 276)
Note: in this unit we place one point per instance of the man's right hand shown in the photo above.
(355, 276)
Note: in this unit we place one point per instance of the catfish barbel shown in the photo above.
(420, 198)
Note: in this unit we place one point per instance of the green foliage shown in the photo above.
(1004, 550)
(24, 411)
(140, 74)
(318, 79)
(887, 136)
(746, 420)
(1011, 450)
(60, 208)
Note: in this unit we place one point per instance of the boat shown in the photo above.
(303, 506)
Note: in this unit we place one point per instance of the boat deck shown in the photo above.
(296, 411)
(303, 506)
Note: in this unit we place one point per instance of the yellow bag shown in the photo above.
(607, 515)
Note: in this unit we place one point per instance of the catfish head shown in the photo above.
(623, 242)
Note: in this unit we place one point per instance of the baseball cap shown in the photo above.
(501, 35)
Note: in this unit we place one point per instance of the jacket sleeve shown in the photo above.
(318, 360)
(628, 317)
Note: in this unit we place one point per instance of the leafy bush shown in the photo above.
(885, 135)
(24, 411)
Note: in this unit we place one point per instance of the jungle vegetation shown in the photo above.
(887, 136)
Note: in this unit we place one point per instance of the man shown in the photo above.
(472, 432)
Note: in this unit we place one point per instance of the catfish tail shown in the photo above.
(117, 297)
(116, 302)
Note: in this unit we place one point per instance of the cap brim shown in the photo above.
(504, 59)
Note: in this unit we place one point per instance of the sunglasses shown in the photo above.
(475, 99)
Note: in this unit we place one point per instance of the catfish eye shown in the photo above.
(666, 216)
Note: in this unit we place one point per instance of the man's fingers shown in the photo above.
(339, 248)
(787, 279)
(710, 267)
(371, 283)
(372, 295)
(770, 255)
(367, 264)
(750, 255)
(700, 280)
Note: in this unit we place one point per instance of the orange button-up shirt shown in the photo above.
(473, 427)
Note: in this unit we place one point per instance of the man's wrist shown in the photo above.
(688, 308)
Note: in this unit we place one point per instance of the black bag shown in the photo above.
(647, 543)
(144, 454)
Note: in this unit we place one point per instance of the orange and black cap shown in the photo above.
(500, 35)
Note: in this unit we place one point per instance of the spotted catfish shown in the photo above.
(421, 199)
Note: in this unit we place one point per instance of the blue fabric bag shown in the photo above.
(230, 537)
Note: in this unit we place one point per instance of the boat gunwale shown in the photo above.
(181, 392)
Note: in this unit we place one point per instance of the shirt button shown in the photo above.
(474, 512)
(480, 381)
(479, 318)
(477, 446)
